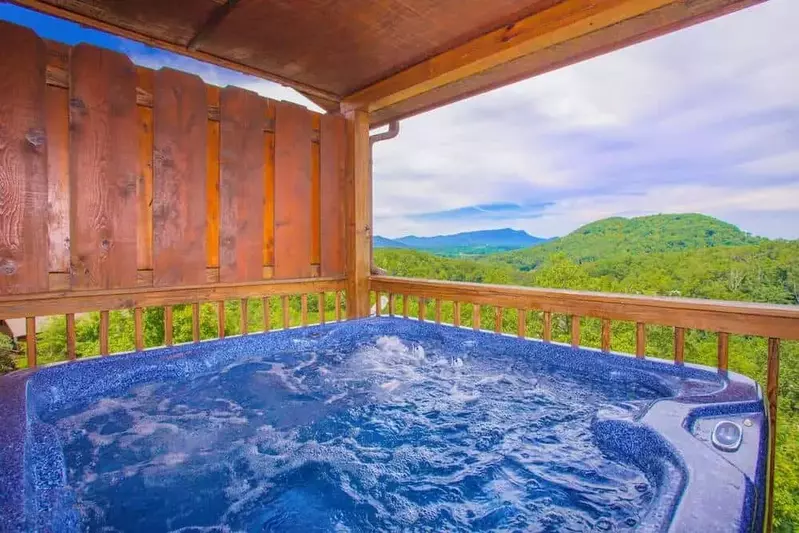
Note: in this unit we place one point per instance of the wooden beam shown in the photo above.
(735, 318)
(359, 214)
(55, 303)
(214, 20)
(560, 23)
(60, 12)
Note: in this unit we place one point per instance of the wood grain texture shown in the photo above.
(71, 337)
(736, 318)
(286, 317)
(104, 167)
(220, 319)
(269, 188)
(521, 326)
(104, 327)
(338, 306)
(315, 207)
(57, 117)
(23, 162)
(293, 231)
(179, 179)
(30, 340)
(546, 334)
(244, 316)
(138, 329)
(304, 309)
(606, 334)
(267, 313)
(332, 173)
(241, 185)
(456, 314)
(498, 320)
(438, 311)
(321, 306)
(476, 317)
(378, 310)
(772, 394)
(195, 322)
(679, 345)
(168, 325)
(422, 310)
(358, 201)
(723, 355)
(144, 183)
(212, 181)
(575, 340)
(640, 339)
(391, 301)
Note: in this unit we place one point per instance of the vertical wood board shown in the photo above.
(179, 175)
(332, 163)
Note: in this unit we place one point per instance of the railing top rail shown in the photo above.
(746, 318)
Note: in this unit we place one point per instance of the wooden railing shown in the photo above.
(774, 322)
(71, 303)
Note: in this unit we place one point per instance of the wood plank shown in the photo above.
(269, 188)
(144, 183)
(181, 49)
(377, 304)
(241, 186)
(723, 355)
(422, 310)
(338, 306)
(736, 318)
(138, 328)
(438, 311)
(71, 337)
(640, 339)
(391, 300)
(332, 177)
(103, 168)
(195, 322)
(405, 305)
(498, 311)
(304, 309)
(679, 345)
(212, 181)
(286, 315)
(321, 305)
(575, 331)
(316, 205)
(358, 203)
(220, 319)
(179, 179)
(57, 118)
(772, 395)
(476, 317)
(546, 334)
(456, 314)
(244, 317)
(559, 23)
(521, 326)
(267, 313)
(168, 326)
(104, 326)
(605, 335)
(292, 192)
(30, 340)
(23, 162)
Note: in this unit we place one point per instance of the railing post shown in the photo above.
(772, 393)
(359, 213)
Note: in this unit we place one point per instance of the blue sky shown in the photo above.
(702, 120)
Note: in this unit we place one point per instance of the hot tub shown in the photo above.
(380, 424)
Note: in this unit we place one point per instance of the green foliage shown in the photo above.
(7, 355)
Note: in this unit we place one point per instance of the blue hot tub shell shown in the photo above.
(700, 487)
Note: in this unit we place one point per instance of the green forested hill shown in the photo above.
(669, 255)
(640, 235)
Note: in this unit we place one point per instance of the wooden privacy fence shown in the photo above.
(114, 176)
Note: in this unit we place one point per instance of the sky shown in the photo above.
(702, 120)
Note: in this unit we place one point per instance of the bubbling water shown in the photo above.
(395, 435)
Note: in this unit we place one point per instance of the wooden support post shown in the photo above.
(391, 304)
(286, 316)
(359, 211)
(438, 310)
(220, 315)
(498, 320)
(476, 317)
(575, 331)
(321, 306)
(772, 393)
(640, 339)
(605, 334)
(104, 333)
(267, 313)
(378, 312)
(723, 351)
(521, 326)
(195, 322)
(304, 309)
(456, 314)
(71, 337)
(422, 310)
(338, 306)
(243, 317)
(405, 302)
(546, 335)
(138, 329)
(679, 345)
(30, 340)
(168, 325)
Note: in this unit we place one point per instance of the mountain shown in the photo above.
(467, 243)
(640, 235)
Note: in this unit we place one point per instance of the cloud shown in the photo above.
(705, 119)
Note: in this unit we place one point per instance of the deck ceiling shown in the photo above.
(395, 58)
